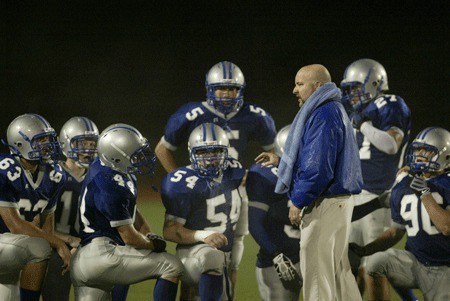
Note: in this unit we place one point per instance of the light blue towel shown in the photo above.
(294, 139)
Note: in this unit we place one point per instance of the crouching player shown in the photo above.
(278, 262)
(117, 246)
(206, 213)
(420, 206)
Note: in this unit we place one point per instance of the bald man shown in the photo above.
(320, 171)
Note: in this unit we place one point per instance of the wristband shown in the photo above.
(200, 235)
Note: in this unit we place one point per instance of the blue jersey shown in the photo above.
(18, 190)
(378, 168)
(107, 201)
(429, 245)
(269, 217)
(67, 207)
(251, 123)
(200, 204)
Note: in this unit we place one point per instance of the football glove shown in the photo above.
(159, 244)
(286, 271)
(419, 186)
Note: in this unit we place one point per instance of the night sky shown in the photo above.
(137, 62)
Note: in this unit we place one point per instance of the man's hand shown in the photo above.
(267, 159)
(286, 271)
(216, 240)
(64, 253)
(419, 186)
(295, 215)
(159, 244)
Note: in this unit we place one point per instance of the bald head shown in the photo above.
(316, 73)
(309, 79)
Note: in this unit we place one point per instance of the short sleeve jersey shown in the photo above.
(18, 190)
(378, 168)
(260, 186)
(107, 201)
(201, 204)
(251, 123)
(424, 240)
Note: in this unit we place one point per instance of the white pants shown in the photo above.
(324, 260)
(270, 286)
(99, 265)
(404, 270)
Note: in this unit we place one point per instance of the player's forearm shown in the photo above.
(179, 235)
(141, 223)
(439, 216)
(384, 141)
(166, 158)
(387, 240)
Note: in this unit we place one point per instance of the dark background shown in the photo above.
(137, 62)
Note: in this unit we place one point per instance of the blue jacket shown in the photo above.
(328, 163)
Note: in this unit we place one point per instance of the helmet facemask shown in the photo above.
(83, 149)
(422, 158)
(224, 104)
(209, 161)
(143, 161)
(44, 147)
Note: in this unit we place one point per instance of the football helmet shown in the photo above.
(430, 151)
(228, 75)
(123, 148)
(208, 148)
(364, 80)
(78, 138)
(30, 136)
(280, 140)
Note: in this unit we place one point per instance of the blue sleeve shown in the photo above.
(174, 200)
(256, 219)
(322, 139)
(395, 202)
(177, 131)
(115, 207)
(260, 190)
(266, 130)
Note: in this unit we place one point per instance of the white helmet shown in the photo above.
(208, 148)
(79, 136)
(372, 77)
(225, 74)
(435, 140)
(123, 148)
(280, 140)
(30, 136)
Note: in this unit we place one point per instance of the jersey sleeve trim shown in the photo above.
(9, 204)
(259, 205)
(121, 223)
(174, 218)
(168, 145)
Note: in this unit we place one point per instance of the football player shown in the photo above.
(206, 213)
(30, 184)
(420, 206)
(224, 106)
(117, 246)
(278, 262)
(382, 124)
(78, 139)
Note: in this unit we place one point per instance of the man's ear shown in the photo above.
(319, 84)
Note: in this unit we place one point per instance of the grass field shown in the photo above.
(246, 289)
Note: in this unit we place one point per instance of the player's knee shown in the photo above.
(39, 249)
(377, 264)
(213, 261)
(173, 268)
